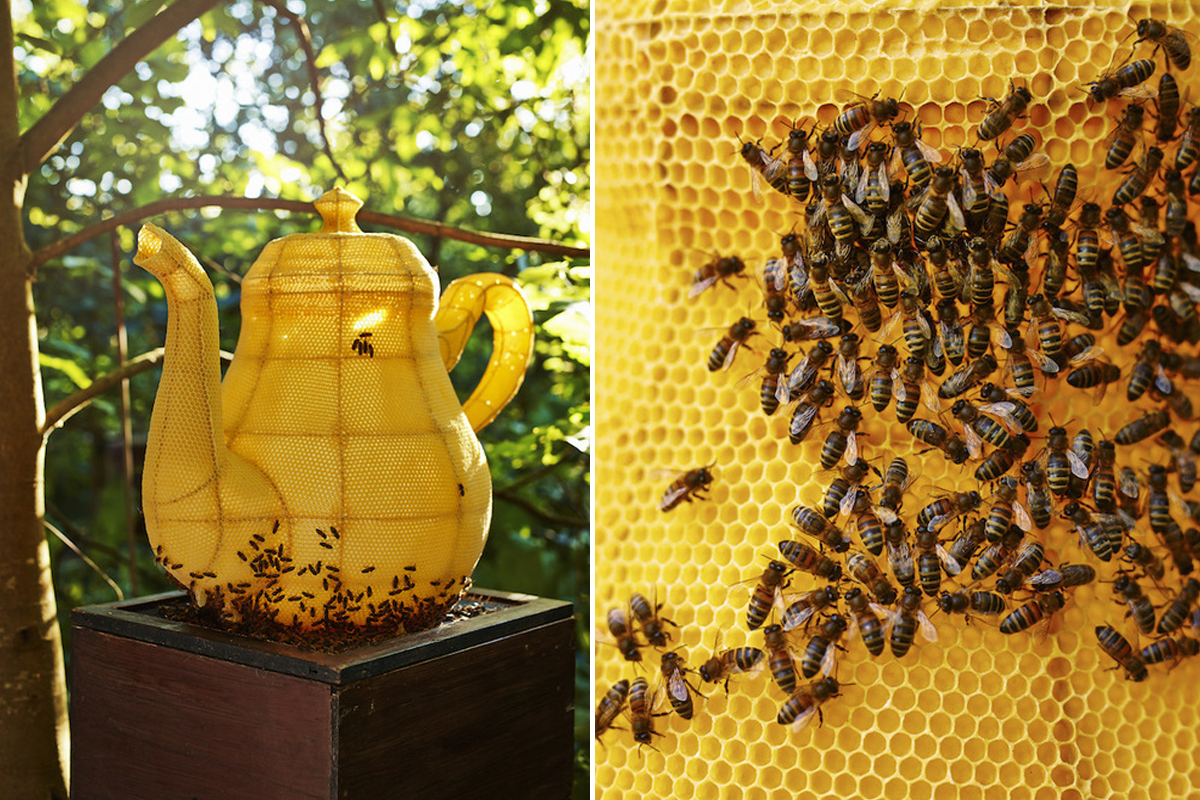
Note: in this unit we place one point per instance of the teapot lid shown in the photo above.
(339, 253)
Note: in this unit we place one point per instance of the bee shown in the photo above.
(774, 277)
(1087, 257)
(1091, 531)
(883, 378)
(1123, 81)
(988, 604)
(764, 596)
(1049, 332)
(867, 306)
(1158, 501)
(806, 410)
(1183, 460)
(618, 626)
(977, 185)
(813, 523)
(858, 118)
(1006, 510)
(1189, 142)
(720, 269)
(1168, 107)
(1018, 156)
(1176, 542)
(1125, 136)
(1119, 649)
(840, 213)
(900, 557)
(865, 620)
(1058, 250)
(1016, 295)
(1172, 40)
(842, 440)
(1129, 492)
(823, 291)
(828, 148)
(641, 717)
(874, 191)
(1177, 612)
(1063, 577)
(806, 559)
(1178, 401)
(1066, 185)
(978, 427)
(885, 273)
(947, 507)
(779, 658)
(950, 329)
(1003, 459)
(895, 481)
(610, 706)
(774, 388)
(648, 617)
(722, 355)
(1166, 271)
(1128, 244)
(995, 222)
(801, 169)
(1009, 408)
(848, 370)
(962, 379)
(818, 656)
(1147, 368)
(1020, 364)
(867, 572)
(723, 664)
(1062, 463)
(917, 331)
(868, 522)
(906, 620)
(1093, 374)
(963, 548)
(1017, 244)
(1002, 114)
(1143, 427)
(806, 702)
(1144, 557)
(1131, 328)
(932, 558)
(981, 277)
(912, 387)
(1174, 649)
(802, 607)
(842, 492)
(766, 167)
(994, 556)
(1021, 567)
(1041, 607)
(913, 154)
(1104, 478)
(675, 677)
(1037, 494)
(934, 435)
(687, 487)
(811, 328)
(806, 371)
(935, 204)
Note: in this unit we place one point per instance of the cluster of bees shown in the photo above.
(967, 320)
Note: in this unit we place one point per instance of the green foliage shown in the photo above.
(470, 116)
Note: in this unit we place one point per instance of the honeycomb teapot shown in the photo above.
(332, 481)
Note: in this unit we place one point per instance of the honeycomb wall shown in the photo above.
(976, 714)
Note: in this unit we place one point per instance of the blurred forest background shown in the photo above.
(470, 116)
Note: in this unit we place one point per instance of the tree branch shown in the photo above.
(548, 517)
(56, 124)
(75, 402)
(314, 77)
(405, 224)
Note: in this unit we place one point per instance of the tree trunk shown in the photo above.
(34, 743)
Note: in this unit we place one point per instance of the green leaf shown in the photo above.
(66, 367)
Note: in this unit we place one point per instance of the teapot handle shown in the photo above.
(462, 304)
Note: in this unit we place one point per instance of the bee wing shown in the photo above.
(1143, 91)
(810, 166)
(948, 561)
(851, 448)
(1192, 292)
(672, 498)
(756, 182)
(745, 380)
(929, 397)
(895, 225)
(900, 557)
(1035, 161)
(1087, 355)
(793, 621)
(956, 214)
(1191, 262)
(846, 368)
(1000, 337)
(678, 686)
(733, 348)
(803, 718)
(859, 136)
(927, 150)
(864, 183)
(1150, 236)
(804, 417)
(1044, 363)
(885, 184)
(926, 627)
(774, 273)
(1078, 467)
(829, 659)
(847, 504)
(698, 287)
(970, 195)
(1161, 381)
(974, 443)
(782, 393)
(1022, 517)
(1046, 580)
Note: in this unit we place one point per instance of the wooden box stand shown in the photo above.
(477, 708)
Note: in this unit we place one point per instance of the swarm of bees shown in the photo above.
(911, 288)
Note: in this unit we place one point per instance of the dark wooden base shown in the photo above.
(479, 708)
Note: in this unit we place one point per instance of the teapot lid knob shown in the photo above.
(338, 208)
